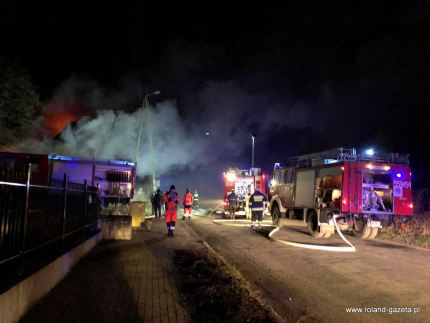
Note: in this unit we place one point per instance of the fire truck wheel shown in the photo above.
(360, 229)
(276, 215)
(374, 233)
(313, 227)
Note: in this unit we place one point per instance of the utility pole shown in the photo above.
(145, 106)
(139, 135)
(151, 147)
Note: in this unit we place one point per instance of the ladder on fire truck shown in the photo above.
(344, 154)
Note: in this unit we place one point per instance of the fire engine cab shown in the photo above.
(361, 192)
(243, 182)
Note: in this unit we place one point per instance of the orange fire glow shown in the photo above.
(58, 115)
(56, 122)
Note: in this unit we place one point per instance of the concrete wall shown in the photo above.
(15, 302)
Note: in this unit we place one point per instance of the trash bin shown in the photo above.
(137, 211)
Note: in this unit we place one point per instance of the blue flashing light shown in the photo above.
(84, 159)
(330, 161)
(61, 157)
(369, 152)
(399, 175)
(121, 162)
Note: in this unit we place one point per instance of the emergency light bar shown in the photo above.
(91, 160)
(369, 152)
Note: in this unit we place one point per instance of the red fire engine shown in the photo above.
(361, 192)
(243, 182)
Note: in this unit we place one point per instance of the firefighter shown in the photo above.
(165, 201)
(247, 208)
(153, 203)
(232, 203)
(196, 199)
(157, 201)
(188, 204)
(257, 203)
(171, 199)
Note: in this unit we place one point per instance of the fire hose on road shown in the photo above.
(350, 248)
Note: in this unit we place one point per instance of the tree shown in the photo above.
(19, 102)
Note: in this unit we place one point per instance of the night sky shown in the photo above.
(338, 73)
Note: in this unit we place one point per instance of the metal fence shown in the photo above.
(38, 212)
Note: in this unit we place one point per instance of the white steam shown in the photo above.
(114, 135)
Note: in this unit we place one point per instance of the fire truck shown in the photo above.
(243, 181)
(360, 191)
(116, 179)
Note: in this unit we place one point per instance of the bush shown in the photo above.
(415, 230)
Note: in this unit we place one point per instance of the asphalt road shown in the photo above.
(311, 286)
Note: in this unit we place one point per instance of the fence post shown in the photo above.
(24, 225)
(64, 206)
(85, 206)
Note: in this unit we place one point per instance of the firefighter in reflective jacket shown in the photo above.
(171, 199)
(247, 208)
(188, 205)
(257, 203)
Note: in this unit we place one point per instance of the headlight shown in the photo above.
(231, 177)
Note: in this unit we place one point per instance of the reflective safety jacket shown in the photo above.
(188, 199)
(257, 200)
(247, 197)
(196, 196)
(172, 200)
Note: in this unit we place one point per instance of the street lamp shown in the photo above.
(253, 141)
(139, 135)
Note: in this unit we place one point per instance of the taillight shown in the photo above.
(344, 201)
(411, 205)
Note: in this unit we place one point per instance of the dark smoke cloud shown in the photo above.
(81, 90)
(196, 146)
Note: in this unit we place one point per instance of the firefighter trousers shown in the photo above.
(257, 216)
(170, 221)
(156, 211)
(171, 215)
(188, 210)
